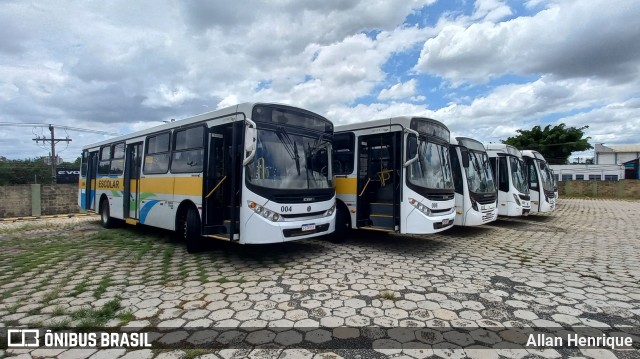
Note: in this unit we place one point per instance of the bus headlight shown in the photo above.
(474, 205)
(421, 207)
(515, 196)
(330, 211)
(266, 213)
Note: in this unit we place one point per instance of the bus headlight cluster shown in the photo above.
(330, 210)
(515, 196)
(266, 213)
(421, 207)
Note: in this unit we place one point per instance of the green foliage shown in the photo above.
(555, 143)
(28, 171)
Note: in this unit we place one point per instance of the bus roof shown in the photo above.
(245, 107)
(471, 144)
(402, 121)
(502, 149)
(533, 154)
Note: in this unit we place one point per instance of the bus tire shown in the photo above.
(191, 231)
(105, 215)
(342, 225)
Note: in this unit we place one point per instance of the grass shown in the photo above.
(58, 310)
(92, 318)
(125, 317)
(166, 262)
(51, 295)
(102, 286)
(79, 288)
(388, 294)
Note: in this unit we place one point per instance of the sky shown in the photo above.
(485, 68)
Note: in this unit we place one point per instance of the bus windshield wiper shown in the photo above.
(290, 146)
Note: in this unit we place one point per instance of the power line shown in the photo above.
(70, 128)
(53, 140)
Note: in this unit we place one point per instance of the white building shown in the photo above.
(615, 155)
(587, 172)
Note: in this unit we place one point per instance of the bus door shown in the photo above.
(379, 181)
(222, 184)
(132, 180)
(90, 185)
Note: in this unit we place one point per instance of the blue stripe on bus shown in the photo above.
(144, 211)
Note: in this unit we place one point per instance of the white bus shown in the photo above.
(250, 173)
(393, 175)
(475, 189)
(510, 172)
(540, 181)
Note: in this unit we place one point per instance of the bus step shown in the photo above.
(218, 229)
(382, 220)
(381, 208)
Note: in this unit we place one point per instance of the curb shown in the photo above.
(31, 218)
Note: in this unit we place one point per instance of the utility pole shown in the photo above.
(53, 140)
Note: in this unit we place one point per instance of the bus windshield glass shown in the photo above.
(546, 177)
(517, 175)
(286, 160)
(479, 174)
(432, 169)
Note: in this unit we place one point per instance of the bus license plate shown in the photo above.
(308, 227)
(445, 222)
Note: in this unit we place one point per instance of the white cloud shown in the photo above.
(120, 66)
(490, 10)
(398, 91)
(568, 39)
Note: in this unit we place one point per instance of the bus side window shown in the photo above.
(343, 153)
(458, 176)
(156, 159)
(503, 175)
(533, 176)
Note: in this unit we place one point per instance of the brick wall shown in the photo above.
(607, 189)
(15, 201)
(59, 199)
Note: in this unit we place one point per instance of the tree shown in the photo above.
(555, 143)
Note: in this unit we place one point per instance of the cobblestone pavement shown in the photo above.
(576, 266)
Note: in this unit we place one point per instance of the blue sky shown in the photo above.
(485, 68)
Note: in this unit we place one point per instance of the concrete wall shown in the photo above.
(608, 189)
(17, 201)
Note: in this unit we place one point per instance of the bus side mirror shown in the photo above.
(412, 149)
(249, 141)
(465, 157)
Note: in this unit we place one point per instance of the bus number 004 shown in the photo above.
(286, 209)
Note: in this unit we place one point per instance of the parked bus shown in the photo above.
(393, 175)
(475, 190)
(509, 170)
(250, 173)
(540, 182)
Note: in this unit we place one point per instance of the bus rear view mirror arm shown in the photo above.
(250, 141)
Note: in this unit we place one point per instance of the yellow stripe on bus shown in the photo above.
(190, 186)
(346, 185)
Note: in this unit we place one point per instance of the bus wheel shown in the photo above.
(342, 226)
(105, 215)
(192, 231)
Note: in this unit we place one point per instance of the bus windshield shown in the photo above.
(517, 175)
(479, 173)
(432, 169)
(286, 160)
(546, 176)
